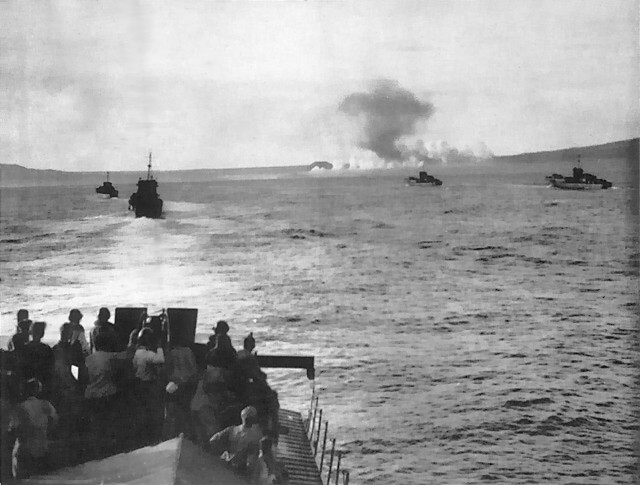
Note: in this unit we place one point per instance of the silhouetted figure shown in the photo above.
(248, 345)
(29, 425)
(15, 359)
(157, 326)
(212, 398)
(182, 374)
(238, 445)
(268, 471)
(101, 393)
(133, 336)
(38, 358)
(147, 360)
(258, 394)
(21, 336)
(79, 346)
(78, 334)
(221, 340)
(247, 364)
(6, 445)
(103, 326)
(66, 392)
(251, 388)
(223, 355)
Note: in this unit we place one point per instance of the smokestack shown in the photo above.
(389, 112)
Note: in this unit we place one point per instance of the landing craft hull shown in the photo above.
(151, 209)
(579, 180)
(107, 195)
(423, 184)
(559, 184)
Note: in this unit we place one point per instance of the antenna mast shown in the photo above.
(149, 168)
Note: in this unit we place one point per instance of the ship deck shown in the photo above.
(294, 450)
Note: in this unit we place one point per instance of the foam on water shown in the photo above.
(177, 206)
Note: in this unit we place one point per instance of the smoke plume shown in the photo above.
(388, 113)
(388, 116)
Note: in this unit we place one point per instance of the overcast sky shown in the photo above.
(95, 85)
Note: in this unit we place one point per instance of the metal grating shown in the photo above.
(294, 450)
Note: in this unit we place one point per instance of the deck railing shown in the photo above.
(313, 428)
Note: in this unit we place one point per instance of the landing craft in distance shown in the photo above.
(107, 189)
(423, 180)
(146, 202)
(580, 180)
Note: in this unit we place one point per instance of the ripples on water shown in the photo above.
(483, 331)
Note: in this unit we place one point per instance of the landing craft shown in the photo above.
(423, 179)
(107, 189)
(146, 202)
(580, 180)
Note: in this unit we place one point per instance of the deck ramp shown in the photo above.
(294, 450)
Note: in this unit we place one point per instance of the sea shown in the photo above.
(483, 331)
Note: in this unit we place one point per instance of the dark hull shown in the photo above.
(111, 192)
(424, 184)
(146, 202)
(151, 208)
(563, 184)
(579, 181)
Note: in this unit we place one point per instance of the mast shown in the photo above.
(149, 168)
(107, 176)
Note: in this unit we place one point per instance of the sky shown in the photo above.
(95, 85)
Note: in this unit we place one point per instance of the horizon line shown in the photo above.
(637, 138)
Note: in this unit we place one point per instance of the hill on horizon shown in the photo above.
(12, 175)
(627, 149)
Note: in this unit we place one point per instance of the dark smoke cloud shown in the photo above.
(389, 112)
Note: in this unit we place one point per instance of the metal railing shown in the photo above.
(313, 426)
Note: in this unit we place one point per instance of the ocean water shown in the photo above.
(484, 331)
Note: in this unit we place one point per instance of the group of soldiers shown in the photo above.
(94, 398)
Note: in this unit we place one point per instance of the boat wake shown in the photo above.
(173, 206)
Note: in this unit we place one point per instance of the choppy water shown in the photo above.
(483, 331)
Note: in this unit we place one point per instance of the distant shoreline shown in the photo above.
(15, 176)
